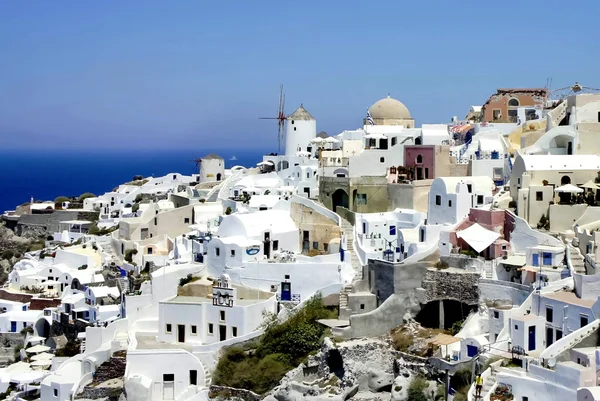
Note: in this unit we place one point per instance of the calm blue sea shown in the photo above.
(48, 174)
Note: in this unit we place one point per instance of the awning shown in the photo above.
(515, 260)
(530, 269)
(568, 188)
(478, 237)
(444, 339)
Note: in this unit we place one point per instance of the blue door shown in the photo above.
(472, 350)
(341, 254)
(531, 338)
(286, 291)
(13, 327)
(392, 230)
(536, 259)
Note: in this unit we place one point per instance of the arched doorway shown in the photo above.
(42, 327)
(340, 198)
(565, 180)
(565, 197)
(433, 315)
(418, 140)
(218, 176)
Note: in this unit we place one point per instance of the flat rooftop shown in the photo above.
(182, 299)
(571, 298)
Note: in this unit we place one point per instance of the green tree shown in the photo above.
(417, 388)
(86, 195)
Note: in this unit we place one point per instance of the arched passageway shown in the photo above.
(340, 198)
(443, 314)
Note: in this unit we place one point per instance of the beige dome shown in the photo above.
(388, 108)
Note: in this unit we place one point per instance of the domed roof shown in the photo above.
(388, 108)
(300, 114)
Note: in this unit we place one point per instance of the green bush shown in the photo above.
(71, 348)
(129, 255)
(440, 265)
(138, 198)
(469, 252)
(8, 254)
(416, 389)
(456, 327)
(281, 348)
(185, 280)
(135, 208)
(228, 210)
(85, 196)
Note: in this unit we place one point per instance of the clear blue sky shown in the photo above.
(197, 73)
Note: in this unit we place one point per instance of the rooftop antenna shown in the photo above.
(281, 117)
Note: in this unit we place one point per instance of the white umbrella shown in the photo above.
(36, 349)
(41, 363)
(29, 377)
(591, 185)
(331, 139)
(44, 356)
(568, 188)
(264, 163)
(318, 140)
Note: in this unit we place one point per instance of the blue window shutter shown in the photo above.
(392, 230)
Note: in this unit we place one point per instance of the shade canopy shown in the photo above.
(568, 188)
(478, 237)
(331, 139)
(33, 376)
(36, 349)
(318, 140)
(267, 163)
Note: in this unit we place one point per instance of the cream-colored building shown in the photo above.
(389, 111)
(534, 179)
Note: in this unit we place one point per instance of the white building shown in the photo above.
(451, 198)
(534, 179)
(213, 313)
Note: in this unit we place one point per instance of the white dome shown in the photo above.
(388, 108)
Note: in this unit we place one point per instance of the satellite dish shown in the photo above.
(551, 362)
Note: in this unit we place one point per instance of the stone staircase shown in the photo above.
(123, 339)
(114, 368)
(345, 312)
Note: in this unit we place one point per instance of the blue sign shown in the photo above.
(253, 250)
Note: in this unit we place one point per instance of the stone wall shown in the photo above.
(453, 284)
(230, 393)
(35, 225)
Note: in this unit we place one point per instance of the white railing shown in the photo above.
(485, 375)
(570, 340)
(83, 381)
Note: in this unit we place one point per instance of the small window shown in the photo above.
(599, 116)
(325, 246)
(480, 199)
(558, 334)
(361, 199)
(222, 315)
(419, 159)
(55, 392)
(186, 220)
(516, 327)
(518, 181)
(210, 329)
(496, 314)
(168, 328)
(294, 128)
(382, 159)
(234, 331)
(583, 321)
(232, 253)
(194, 330)
(156, 221)
(316, 246)
(549, 314)
(438, 200)
(362, 306)
(217, 251)
(395, 139)
(450, 203)
(470, 188)
(539, 196)
(275, 245)
(168, 377)
(524, 398)
(513, 103)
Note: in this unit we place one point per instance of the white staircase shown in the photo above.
(207, 376)
(348, 230)
(123, 339)
(577, 260)
(82, 346)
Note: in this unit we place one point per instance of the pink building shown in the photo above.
(481, 239)
(419, 161)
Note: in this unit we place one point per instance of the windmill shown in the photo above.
(281, 117)
(196, 161)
